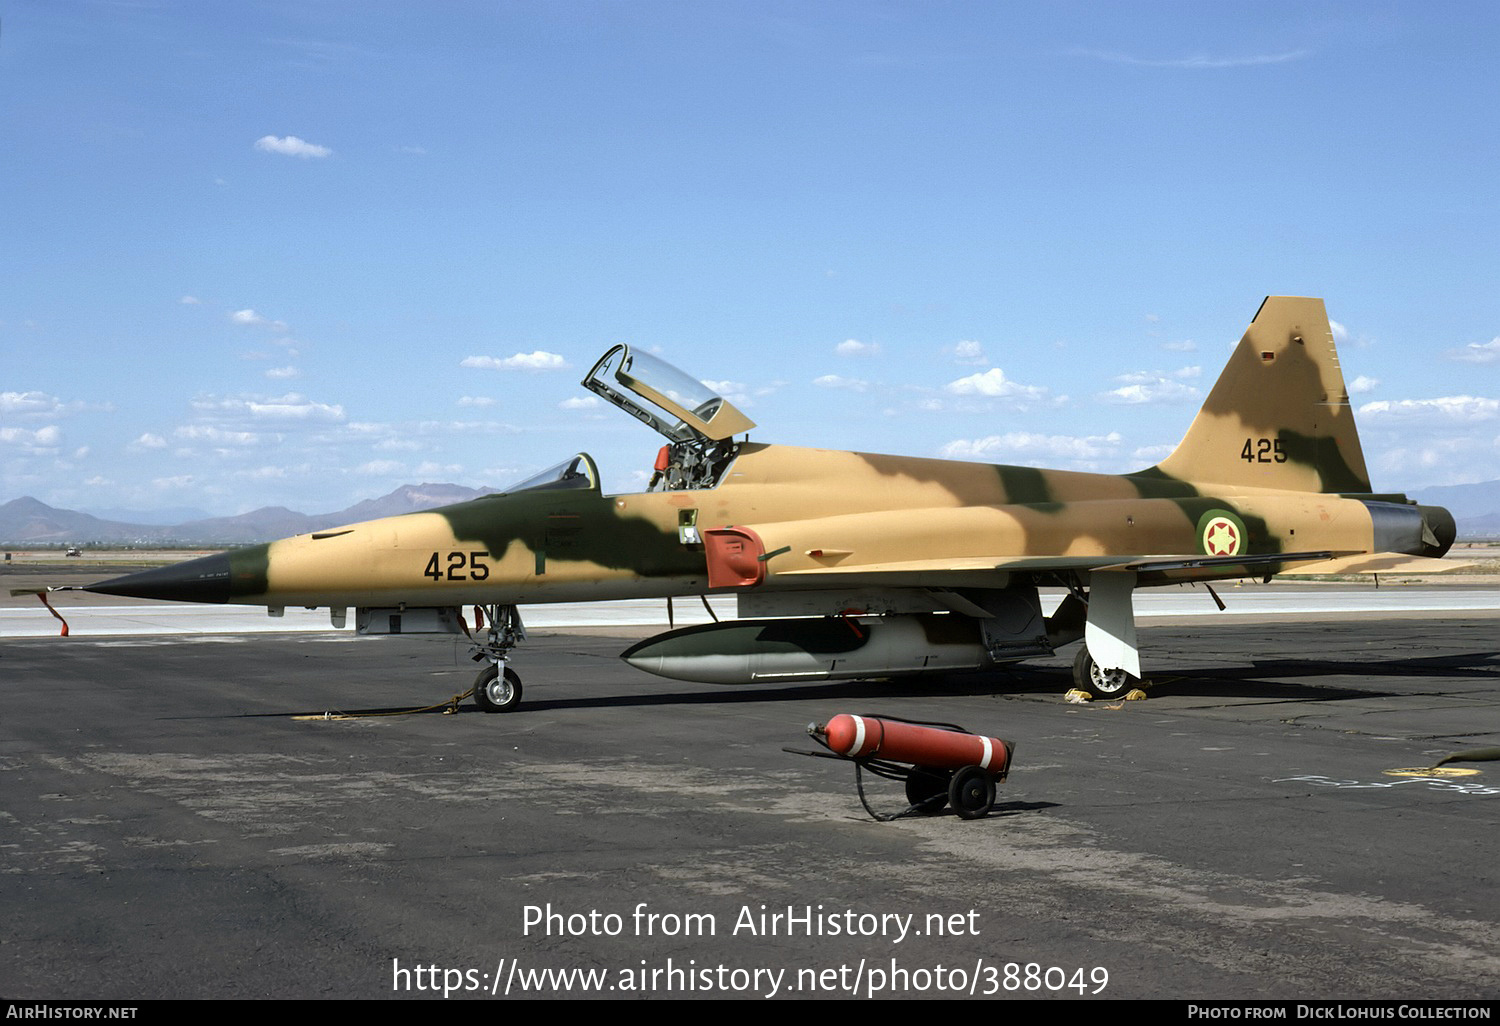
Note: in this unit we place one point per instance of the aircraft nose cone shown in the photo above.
(197, 580)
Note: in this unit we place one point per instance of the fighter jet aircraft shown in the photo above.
(850, 565)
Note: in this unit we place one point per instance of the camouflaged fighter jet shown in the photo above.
(848, 565)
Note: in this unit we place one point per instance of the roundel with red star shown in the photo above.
(1221, 533)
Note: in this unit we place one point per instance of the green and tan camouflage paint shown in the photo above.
(1259, 472)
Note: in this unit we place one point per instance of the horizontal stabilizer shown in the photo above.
(1379, 563)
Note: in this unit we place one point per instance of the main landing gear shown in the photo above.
(1108, 663)
(1098, 681)
(497, 689)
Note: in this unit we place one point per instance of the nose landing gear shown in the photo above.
(497, 689)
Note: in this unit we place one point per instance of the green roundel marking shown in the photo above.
(1221, 533)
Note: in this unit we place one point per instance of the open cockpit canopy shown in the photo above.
(692, 408)
(699, 425)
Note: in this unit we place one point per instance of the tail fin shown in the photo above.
(1279, 415)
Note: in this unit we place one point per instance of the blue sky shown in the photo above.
(301, 253)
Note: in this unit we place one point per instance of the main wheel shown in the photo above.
(1097, 681)
(927, 788)
(494, 693)
(972, 792)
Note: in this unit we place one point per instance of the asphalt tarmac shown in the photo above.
(171, 828)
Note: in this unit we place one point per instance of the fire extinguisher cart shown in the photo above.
(941, 764)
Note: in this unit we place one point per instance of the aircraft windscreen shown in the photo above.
(576, 473)
(683, 389)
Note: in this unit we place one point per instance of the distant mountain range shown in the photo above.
(1476, 507)
(26, 521)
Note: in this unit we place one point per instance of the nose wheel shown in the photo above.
(496, 692)
(497, 689)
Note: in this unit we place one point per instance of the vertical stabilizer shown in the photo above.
(1279, 415)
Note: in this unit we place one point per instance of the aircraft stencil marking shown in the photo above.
(1431, 783)
(460, 567)
(1266, 450)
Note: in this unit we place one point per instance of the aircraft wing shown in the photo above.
(1149, 569)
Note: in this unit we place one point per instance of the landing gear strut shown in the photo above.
(498, 688)
(1109, 663)
(495, 691)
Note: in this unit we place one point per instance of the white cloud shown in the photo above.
(1343, 339)
(1143, 387)
(149, 441)
(854, 347)
(1363, 384)
(475, 400)
(290, 407)
(1478, 352)
(246, 317)
(970, 352)
(736, 392)
(1198, 62)
(834, 381)
(1464, 408)
(42, 440)
(724, 388)
(1150, 455)
(1161, 392)
(295, 407)
(994, 384)
(34, 404)
(1187, 345)
(216, 436)
(579, 402)
(1456, 459)
(291, 146)
(447, 429)
(172, 483)
(538, 360)
(283, 372)
(1029, 445)
(189, 301)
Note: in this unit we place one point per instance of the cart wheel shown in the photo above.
(972, 792)
(927, 789)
